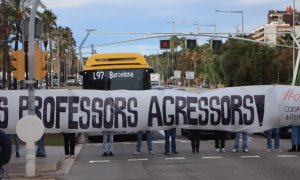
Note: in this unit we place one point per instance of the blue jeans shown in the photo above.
(237, 140)
(108, 139)
(295, 135)
(170, 133)
(40, 151)
(17, 143)
(140, 138)
(274, 131)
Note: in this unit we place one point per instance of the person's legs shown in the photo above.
(139, 141)
(17, 145)
(269, 139)
(72, 143)
(217, 140)
(276, 138)
(105, 142)
(222, 139)
(294, 138)
(149, 140)
(173, 139)
(41, 152)
(66, 144)
(110, 141)
(237, 140)
(245, 140)
(167, 142)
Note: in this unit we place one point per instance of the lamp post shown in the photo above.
(239, 12)
(80, 46)
(207, 25)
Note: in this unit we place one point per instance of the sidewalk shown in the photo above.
(46, 167)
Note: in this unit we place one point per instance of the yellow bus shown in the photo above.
(129, 71)
(113, 71)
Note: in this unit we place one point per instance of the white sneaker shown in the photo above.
(136, 153)
(268, 150)
(223, 150)
(234, 150)
(151, 153)
(245, 150)
(217, 150)
(278, 150)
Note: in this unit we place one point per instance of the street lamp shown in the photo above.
(81, 44)
(239, 12)
(208, 25)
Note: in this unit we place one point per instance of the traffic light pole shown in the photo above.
(30, 155)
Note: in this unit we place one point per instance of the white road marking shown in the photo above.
(250, 156)
(99, 161)
(212, 157)
(175, 158)
(286, 156)
(140, 159)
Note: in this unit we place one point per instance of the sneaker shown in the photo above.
(223, 150)
(174, 152)
(111, 154)
(217, 150)
(72, 156)
(245, 150)
(234, 150)
(105, 154)
(66, 157)
(17, 154)
(268, 150)
(278, 150)
(151, 153)
(136, 153)
(166, 153)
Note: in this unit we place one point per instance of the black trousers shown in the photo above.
(195, 139)
(220, 139)
(69, 143)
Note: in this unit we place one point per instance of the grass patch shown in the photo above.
(54, 140)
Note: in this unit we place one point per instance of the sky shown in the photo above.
(156, 16)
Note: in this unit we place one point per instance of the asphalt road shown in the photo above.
(207, 165)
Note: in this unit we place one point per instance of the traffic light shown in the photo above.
(165, 44)
(19, 64)
(40, 63)
(216, 44)
(191, 43)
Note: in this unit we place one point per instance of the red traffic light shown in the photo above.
(164, 44)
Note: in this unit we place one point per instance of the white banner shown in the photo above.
(248, 108)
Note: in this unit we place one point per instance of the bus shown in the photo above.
(113, 71)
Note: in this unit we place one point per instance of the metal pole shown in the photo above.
(81, 44)
(294, 32)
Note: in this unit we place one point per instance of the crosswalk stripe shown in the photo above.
(175, 158)
(99, 161)
(140, 159)
(256, 156)
(286, 156)
(212, 157)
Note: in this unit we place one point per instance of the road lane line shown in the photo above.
(286, 156)
(140, 159)
(212, 157)
(256, 156)
(175, 158)
(99, 161)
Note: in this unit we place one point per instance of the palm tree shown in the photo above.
(49, 19)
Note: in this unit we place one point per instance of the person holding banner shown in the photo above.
(194, 136)
(108, 139)
(220, 141)
(170, 133)
(295, 139)
(237, 141)
(275, 132)
(139, 142)
(69, 144)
